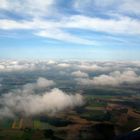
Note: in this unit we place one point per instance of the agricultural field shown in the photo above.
(97, 111)
(52, 104)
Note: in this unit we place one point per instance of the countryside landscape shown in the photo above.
(105, 106)
(69, 69)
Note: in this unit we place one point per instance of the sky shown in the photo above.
(70, 29)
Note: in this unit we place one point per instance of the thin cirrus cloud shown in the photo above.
(48, 19)
(124, 7)
(27, 7)
(120, 25)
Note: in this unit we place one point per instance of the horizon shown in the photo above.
(69, 69)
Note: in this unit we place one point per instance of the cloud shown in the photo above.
(79, 74)
(26, 102)
(120, 25)
(63, 65)
(48, 19)
(43, 82)
(6, 66)
(99, 5)
(60, 29)
(12, 65)
(28, 7)
(115, 78)
(54, 8)
(44, 95)
(2, 67)
(44, 28)
(130, 7)
(51, 62)
(82, 66)
(91, 67)
(124, 7)
(59, 34)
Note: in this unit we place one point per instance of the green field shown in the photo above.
(7, 123)
(37, 124)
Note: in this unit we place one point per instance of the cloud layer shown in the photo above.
(26, 101)
(44, 95)
(115, 78)
(56, 19)
(90, 73)
(79, 74)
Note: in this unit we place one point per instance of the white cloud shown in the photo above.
(92, 67)
(44, 28)
(121, 25)
(113, 79)
(26, 102)
(49, 7)
(104, 3)
(4, 4)
(97, 4)
(2, 67)
(130, 7)
(59, 34)
(32, 104)
(12, 65)
(63, 65)
(51, 62)
(79, 74)
(83, 66)
(34, 8)
(107, 6)
(55, 29)
(9, 65)
(43, 82)
(7, 24)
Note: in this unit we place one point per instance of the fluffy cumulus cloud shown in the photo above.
(42, 82)
(63, 65)
(77, 68)
(91, 67)
(26, 102)
(44, 95)
(51, 62)
(12, 65)
(115, 78)
(79, 74)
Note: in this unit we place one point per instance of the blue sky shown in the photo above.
(70, 29)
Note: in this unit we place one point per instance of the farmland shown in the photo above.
(52, 104)
(73, 123)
